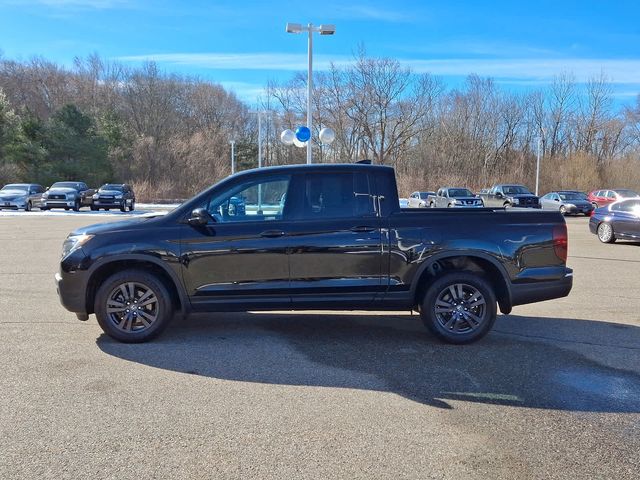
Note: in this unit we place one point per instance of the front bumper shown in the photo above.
(58, 203)
(12, 205)
(71, 292)
(102, 203)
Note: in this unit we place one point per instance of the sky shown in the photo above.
(243, 45)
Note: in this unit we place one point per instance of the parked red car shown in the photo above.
(601, 198)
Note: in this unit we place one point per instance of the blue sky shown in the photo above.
(242, 45)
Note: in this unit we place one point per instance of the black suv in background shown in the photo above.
(114, 195)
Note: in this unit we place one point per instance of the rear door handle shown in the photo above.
(272, 233)
(363, 228)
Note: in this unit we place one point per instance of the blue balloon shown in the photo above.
(303, 134)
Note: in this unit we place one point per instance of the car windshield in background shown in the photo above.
(515, 190)
(571, 196)
(424, 195)
(627, 193)
(23, 188)
(66, 185)
(460, 192)
(111, 186)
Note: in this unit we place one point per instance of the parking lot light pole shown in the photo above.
(322, 30)
(233, 157)
(538, 165)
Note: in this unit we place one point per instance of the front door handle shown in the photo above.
(272, 233)
(362, 228)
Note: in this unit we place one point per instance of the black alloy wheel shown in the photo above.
(459, 307)
(133, 306)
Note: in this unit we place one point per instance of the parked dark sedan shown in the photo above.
(23, 196)
(620, 220)
(114, 195)
(567, 202)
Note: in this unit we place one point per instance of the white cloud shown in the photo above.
(618, 71)
(96, 4)
(241, 61)
(541, 70)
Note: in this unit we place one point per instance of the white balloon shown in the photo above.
(298, 143)
(327, 135)
(287, 137)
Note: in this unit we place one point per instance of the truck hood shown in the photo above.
(109, 192)
(130, 224)
(466, 198)
(62, 190)
(11, 194)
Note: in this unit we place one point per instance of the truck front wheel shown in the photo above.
(459, 307)
(133, 306)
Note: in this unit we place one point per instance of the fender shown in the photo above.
(462, 253)
(101, 262)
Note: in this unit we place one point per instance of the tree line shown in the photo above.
(169, 135)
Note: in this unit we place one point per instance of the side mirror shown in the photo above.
(46, 189)
(557, 199)
(199, 217)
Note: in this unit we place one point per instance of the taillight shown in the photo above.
(560, 242)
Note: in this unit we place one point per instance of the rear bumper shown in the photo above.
(531, 292)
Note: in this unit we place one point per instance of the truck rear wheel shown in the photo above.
(459, 307)
(133, 306)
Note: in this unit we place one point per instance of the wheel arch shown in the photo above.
(476, 262)
(103, 270)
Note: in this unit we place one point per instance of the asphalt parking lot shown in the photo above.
(552, 392)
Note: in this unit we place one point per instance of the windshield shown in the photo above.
(571, 196)
(424, 195)
(515, 190)
(627, 193)
(22, 188)
(111, 186)
(460, 192)
(73, 185)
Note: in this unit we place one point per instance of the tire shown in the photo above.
(449, 206)
(94, 208)
(605, 233)
(28, 207)
(44, 209)
(132, 207)
(432, 205)
(124, 321)
(563, 210)
(595, 205)
(123, 207)
(76, 206)
(506, 205)
(454, 318)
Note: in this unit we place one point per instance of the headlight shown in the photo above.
(45, 195)
(74, 242)
(70, 196)
(96, 196)
(570, 205)
(118, 197)
(516, 200)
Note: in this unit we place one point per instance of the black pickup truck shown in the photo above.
(314, 237)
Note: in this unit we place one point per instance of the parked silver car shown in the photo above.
(419, 199)
(23, 196)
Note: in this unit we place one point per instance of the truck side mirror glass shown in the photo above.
(199, 217)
